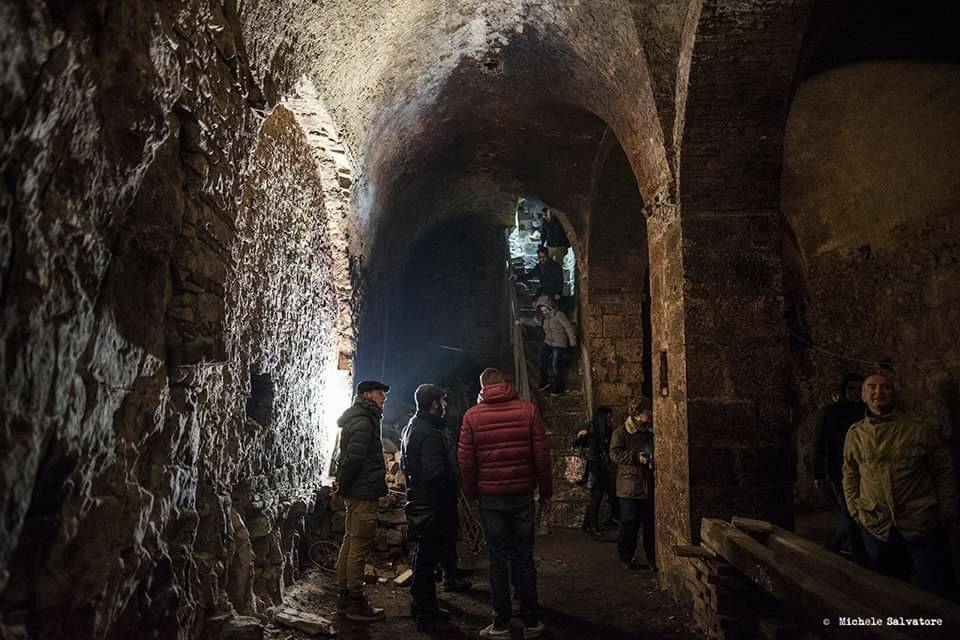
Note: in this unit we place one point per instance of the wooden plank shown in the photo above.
(718, 566)
(730, 582)
(692, 551)
(893, 597)
(809, 600)
(754, 526)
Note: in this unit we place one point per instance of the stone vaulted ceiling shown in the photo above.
(456, 107)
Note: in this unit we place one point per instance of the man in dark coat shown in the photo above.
(361, 480)
(631, 447)
(550, 274)
(431, 489)
(503, 456)
(832, 425)
(553, 236)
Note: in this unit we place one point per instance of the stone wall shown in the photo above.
(169, 325)
(617, 278)
(871, 195)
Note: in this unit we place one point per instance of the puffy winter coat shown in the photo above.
(897, 471)
(557, 329)
(361, 472)
(503, 446)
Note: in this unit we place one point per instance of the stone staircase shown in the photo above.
(564, 414)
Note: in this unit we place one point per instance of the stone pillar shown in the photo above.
(720, 388)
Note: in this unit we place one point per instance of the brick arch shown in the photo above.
(717, 265)
(614, 297)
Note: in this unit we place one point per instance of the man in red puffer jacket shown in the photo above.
(503, 456)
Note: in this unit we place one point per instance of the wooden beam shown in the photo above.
(754, 526)
(692, 551)
(893, 597)
(811, 601)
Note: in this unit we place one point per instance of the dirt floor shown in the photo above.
(584, 591)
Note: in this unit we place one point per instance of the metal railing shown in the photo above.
(521, 379)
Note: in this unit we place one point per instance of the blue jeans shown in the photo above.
(551, 367)
(508, 523)
(928, 556)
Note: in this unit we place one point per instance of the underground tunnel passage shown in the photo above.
(220, 218)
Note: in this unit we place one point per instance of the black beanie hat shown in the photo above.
(426, 394)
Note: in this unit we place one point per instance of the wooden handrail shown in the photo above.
(521, 379)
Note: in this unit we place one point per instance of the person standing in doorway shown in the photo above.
(631, 447)
(550, 274)
(553, 236)
(503, 457)
(832, 425)
(432, 492)
(899, 486)
(361, 480)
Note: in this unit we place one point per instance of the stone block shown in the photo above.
(392, 517)
(614, 326)
(726, 422)
(712, 466)
(309, 623)
(616, 392)
(633, 325)
(393, 537)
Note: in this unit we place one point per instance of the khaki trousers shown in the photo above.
(360, 531)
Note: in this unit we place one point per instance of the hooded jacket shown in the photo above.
(503, 446)
(897, 471)
(557, 329)
(361, 472)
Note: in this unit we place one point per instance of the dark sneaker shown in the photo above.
(457, 584)
(360, 610)
(533, 632)
(493, 632)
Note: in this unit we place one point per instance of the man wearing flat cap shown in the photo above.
(361, 480)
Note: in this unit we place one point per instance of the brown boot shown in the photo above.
(360, 610)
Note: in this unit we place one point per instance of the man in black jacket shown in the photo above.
(553, 236)
(361, 480)
(432, 495)
(832, 425)
(550, 274)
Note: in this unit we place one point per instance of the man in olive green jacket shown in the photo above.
(899, 486)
